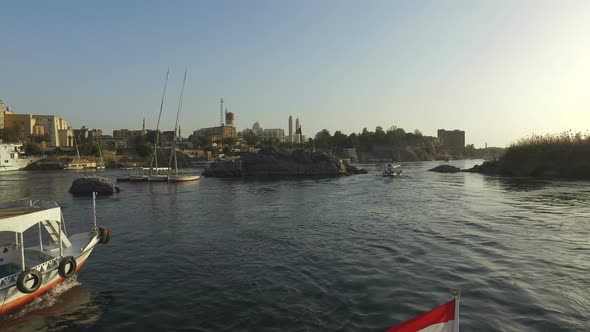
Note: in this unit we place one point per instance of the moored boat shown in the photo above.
(183, 178)
(176, 177)
(12, 158)
(28, 272)
(80, 164)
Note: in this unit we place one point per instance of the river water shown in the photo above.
(358, 253)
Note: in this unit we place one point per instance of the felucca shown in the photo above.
(173, 158)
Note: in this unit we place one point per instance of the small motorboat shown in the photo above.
(391, 170)
(26, 272)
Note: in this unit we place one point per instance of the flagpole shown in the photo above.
(457, 295)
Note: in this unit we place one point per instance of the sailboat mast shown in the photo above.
(155, 156)
(173, 153)
(77, 151)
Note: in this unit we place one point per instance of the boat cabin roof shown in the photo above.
(19, 216)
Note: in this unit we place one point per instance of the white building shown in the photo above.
(273, 135)
(290, 138)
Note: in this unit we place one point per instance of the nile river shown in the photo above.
(358, 253)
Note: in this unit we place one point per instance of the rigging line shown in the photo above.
(173, 152)
(155, 157)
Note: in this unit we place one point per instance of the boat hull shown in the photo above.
(183, 178)
(158, 178)
(12, 299)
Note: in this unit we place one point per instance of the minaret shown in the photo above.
(290, 129)
(221, 111)
(297, 133)
(143, 126)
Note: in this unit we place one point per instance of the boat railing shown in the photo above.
(43, 268)
(16, 204)
(44, 204)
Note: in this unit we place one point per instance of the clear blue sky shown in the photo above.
(499, 70)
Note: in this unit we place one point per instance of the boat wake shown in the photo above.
(47, 300)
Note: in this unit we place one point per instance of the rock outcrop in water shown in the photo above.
(488, 168)
(45, 165)
(85, 186)
(445, 169)
(269, 162)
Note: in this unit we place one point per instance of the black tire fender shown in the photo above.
(67, 267)
(104, 235)
(24, 278)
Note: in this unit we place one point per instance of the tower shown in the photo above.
(297, 133)
(290, 129)
(143, 126)
(229, 118)
(221, 111)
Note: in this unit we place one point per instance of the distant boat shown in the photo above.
(390, 170)
(173, 158)
(100, 164)
(79, 164)
(145, 174)
(12, 158)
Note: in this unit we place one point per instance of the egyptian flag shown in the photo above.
(442, 319)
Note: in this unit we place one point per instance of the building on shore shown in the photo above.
(3, 111)
(123, 133)
(257, 129)
(297, 131)
(451, 139)
(229, 118)
(276, 135)
(113, 142)
(266, 135)
(290, 137)
(216, 134)
(51, 129)
(84, 133)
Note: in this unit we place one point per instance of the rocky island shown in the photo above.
(86, 185)
(269, 162)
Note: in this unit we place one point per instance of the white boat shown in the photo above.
(100, 164)
(391, 170)
(183, 178)
(26, 272)
(78, 163)
(12, 158)
(176, 177)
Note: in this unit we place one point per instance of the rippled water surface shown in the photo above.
(358, 253)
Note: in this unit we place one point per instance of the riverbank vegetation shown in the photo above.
(564, 155)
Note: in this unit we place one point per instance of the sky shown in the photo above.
(500, 70)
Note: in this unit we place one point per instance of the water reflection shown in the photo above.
(516, 184)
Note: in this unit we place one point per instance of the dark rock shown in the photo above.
(488, 167)
(226, 168)
(445, 169)
(85, 186)
(269, 162)
(45, 165)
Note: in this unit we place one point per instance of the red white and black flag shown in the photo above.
(442, 319)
